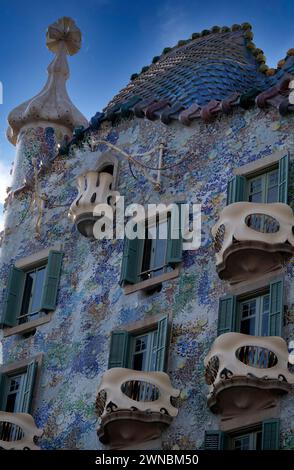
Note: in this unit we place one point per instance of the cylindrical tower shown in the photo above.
(38, 126)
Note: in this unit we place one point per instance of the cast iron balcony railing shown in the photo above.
(246, 373)
(253, 239)
(134, 406)
(18, 431)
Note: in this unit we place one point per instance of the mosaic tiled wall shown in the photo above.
(75, 343)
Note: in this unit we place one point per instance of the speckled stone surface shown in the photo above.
(91, 303)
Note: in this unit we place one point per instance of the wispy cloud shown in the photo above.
(174, 23)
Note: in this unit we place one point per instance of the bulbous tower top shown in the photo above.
(52, 104)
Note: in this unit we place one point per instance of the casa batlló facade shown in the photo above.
(140, 344)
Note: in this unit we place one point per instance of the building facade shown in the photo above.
(141, 343)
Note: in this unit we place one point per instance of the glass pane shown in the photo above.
(273, 194)
(141, 343)
(273, 178)
(248, 314)
(265, 315)
(139, 361)
(37, 291)
(27, 293)
(241, 443)
(255, 185)
(258, 440)
(159, 256)
(11, 402)
(257, 197)
(248, 326)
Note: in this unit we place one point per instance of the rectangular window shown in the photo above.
(32, 291)
(157, 255)
(268, 185)
(16, 389)
(248, 441)
(259, 313)
(32, 295)
(254, 315)
(265, 436)
(154, 257)
(264, 188)
(145, 351)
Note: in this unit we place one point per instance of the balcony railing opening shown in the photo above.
(211, 370)
(140, 391)
(10, 432)
(262, 223)
(256, 356)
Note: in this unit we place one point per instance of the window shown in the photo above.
(270, 185)
(266, 436)
(254, 315)
(144, 351)
(154, 256)
(32, 296)
(31, 292)
(264, 188)
(16, 389)
(258, 314)
(248, 441)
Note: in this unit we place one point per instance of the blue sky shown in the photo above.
(119, 37)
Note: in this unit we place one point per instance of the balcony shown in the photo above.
(134, 406)
(252, 239)
(94, 188)
(18, 431)
(246, 374)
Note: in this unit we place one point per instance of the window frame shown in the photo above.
(20, 367)
(24, 265)
(264, 174)
(172, 273)
(259, 296)
(29, 314)
(150, 333)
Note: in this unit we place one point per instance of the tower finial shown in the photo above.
(52, 104)
(64, 30)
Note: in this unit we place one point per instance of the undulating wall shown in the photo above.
(91, 302)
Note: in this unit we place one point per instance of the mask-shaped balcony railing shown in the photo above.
(94, 188)
(18, 431)
(246, 373)
(134, 406)
(252, 239)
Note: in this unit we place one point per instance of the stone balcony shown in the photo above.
(134, 406)
(246, 374)
(252, 239)
(94, 188)
(18, 431)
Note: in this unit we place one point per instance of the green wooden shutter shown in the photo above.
(270, 434)
(29, 387)
(132, 256)
(236, 190)
(175, 239)
(226, 314)
(283, 179)
(161, 347)
(214, 440)
(3, 385)
(276, 308)
(13, 299)
(53, 269)
(118, 355)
